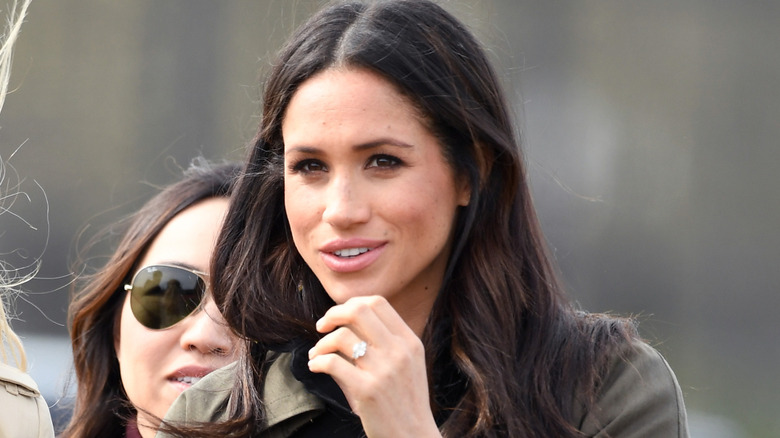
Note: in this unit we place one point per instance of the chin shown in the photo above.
(342, 293)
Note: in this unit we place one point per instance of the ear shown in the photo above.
(116, 347)
(464, 191)
(117, 326)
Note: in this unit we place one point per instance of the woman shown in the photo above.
(23, 411)
(383, 258)
(145, 327)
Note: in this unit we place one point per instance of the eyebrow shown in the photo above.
(359, 147)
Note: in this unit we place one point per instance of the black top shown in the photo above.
(338, 420)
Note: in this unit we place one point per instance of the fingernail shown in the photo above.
(310, 352)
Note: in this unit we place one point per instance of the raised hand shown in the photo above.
(385, 379)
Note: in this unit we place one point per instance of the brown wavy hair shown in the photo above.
(101, 406)
(527, 356)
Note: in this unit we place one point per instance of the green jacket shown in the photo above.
(640, 398)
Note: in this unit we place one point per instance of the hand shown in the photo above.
(388, 386)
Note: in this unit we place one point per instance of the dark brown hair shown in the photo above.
(101, 406)
(526, 355)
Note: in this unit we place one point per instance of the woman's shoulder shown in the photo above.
(23, 412)
(638, 397)
(13, 377)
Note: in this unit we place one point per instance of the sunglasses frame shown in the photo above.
(128, 287)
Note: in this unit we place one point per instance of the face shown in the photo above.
(157, 365)
(369, 196)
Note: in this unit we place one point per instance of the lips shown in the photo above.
(187, 376)
(351, 255)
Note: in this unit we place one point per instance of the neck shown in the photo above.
(416, 314)
(142, 428)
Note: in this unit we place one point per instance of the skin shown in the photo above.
(363, 172)
(150, 361)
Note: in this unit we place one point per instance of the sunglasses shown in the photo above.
(163, 295)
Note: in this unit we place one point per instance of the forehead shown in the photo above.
(339, 95)
(346, 82)
(189, 237)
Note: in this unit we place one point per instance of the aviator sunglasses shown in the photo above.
(163, 295)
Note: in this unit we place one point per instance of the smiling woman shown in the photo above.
(145, 328)
(383, 255)
(355, 151)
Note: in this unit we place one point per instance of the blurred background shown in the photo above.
(651, 130)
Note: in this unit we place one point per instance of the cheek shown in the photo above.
(433, 208)
(136, 346)
(125, 344)
(422, 219)
(434, 221)
(121, 325)
(302, 212)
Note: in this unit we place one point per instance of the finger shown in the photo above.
(340, 341)
(372, 318)
(336, 364)
(358, 315)
(356, 383)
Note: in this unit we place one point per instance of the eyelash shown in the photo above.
(301, 166)
(394, 162)
(304, 165)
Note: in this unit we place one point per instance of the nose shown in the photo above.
(345, 202)
(207, 332)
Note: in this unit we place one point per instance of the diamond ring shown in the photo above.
(359, 349)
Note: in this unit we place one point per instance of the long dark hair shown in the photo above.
(101, 407)
(525, 355)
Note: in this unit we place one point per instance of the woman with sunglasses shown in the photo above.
(382, 251)
(145, 327)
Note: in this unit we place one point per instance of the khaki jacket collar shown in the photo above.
(288, 404)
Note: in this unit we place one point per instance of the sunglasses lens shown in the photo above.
(161, 296)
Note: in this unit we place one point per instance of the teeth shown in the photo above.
(350, 252)
(188, 380)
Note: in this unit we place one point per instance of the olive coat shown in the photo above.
(640, 398)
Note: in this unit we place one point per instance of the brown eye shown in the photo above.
(384, 161)
(308, 166)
